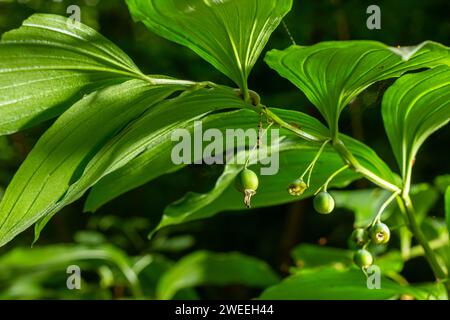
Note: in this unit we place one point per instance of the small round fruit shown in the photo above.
(297, 187)
(380, 233)
(363, 258)
(248, 180)
(324, 203)
(360, 237)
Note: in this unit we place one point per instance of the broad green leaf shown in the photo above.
(413, 108)
(220, 269)
(364, 203)
(151, 164)
(307, 256)
(333, 73)
(272, 190)
(229, 34)
(62, 152)
(57, 257)
(49, 63)
(311, 256)
(442, 182)
(332, 284)
(148, 133)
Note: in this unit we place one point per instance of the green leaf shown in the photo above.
(364, 203)
(413, 108)
(151, 164)
(442, 182)
(333, 73)
(311, 256)
(155, 161)
(220, 269)
(447, 208)
(151, 132)
(52, 258)
(228, 34)
(49, 63)
(332, 284)
(62, 152)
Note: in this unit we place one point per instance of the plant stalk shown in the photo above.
(414, 227)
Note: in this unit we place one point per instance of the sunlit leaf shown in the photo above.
(325, 284)
(229, 34)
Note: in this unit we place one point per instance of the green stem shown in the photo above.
(438, 271)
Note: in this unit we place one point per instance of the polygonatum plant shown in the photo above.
(113, 123)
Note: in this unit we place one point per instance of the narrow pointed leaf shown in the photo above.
(49, 63)
(331, 74)
(148, 133)
(329, 283)
(229, 34)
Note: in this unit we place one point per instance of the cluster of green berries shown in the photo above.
(379, 233)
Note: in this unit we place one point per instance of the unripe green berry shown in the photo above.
(380, 233)
(247, 182)
(297, 187)
(363, 258)
(360, 237)
(324, 203)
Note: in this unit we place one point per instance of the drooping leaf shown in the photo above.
(325, 284)
(58, 158)
(413, 108)
(220, 269)
(150, 132)
(51, 62)
(151, 164)
(229, 34)
(331, 74)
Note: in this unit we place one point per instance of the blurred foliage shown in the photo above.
(119, 261)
